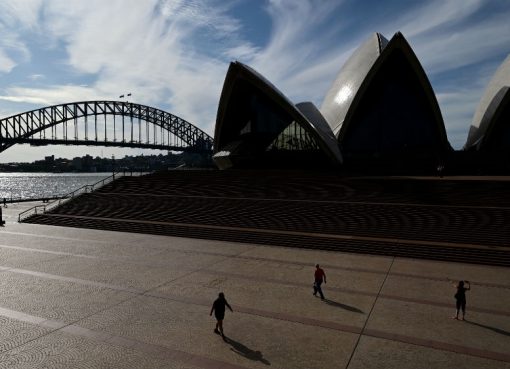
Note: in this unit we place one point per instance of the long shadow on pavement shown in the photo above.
(494, 329)
(244, 351)
(343, 306)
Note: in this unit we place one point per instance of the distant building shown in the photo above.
(49, 160)
(77, 164)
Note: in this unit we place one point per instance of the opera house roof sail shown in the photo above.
(492, 110)
(495, 123)
(341, 94)
(382, 102)
(257, 125)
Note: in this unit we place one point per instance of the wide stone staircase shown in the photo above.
(441, 219)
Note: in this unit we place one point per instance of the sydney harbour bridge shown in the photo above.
(103, 123)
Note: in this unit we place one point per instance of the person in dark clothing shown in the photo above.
(219, 312)
(319, 277)
(460, 298)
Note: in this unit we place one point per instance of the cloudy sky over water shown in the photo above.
(173, 54)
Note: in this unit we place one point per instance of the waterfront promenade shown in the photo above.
(79, 298)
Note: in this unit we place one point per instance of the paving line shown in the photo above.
(85, 282)
(61, 253)
(369, 314)
(52, 237)
(438, 345)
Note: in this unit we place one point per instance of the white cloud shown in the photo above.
(14, 17)
(24, 13)
(51, 95)
(245, 51)
(435, 14)
(12, 50)
(292, 45)
(479, 42)
(6, 63)
(457, 106)
(36, 76)
(202, 14)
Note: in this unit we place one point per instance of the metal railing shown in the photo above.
(15, 199)
(41, 209)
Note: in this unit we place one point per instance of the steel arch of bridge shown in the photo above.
(42, 127)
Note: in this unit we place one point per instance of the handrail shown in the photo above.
(12, 200)
(41, 209)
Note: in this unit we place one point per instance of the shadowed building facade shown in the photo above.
(384, 112)
(258, 127)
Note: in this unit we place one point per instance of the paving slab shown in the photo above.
(15, 333)
(63, 351)
(284, 272)
(435, 324)
(442, 292)
(54, 299)
(11, 258)
(326, 258)
(121, 273)
(375, 353)
(453, 271)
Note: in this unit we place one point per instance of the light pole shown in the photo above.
(131, 116)
(113, 166)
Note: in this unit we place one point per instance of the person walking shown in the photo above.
(219, 312)
(320, 276)
(460, 298)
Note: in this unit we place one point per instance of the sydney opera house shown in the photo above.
(357, 174)
(380, 115)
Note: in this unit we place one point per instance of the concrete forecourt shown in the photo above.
(77, 298)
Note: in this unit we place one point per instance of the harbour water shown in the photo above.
(38, 185)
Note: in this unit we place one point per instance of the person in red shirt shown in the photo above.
(319, 277)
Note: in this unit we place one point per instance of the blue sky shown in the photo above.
(174, 54)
